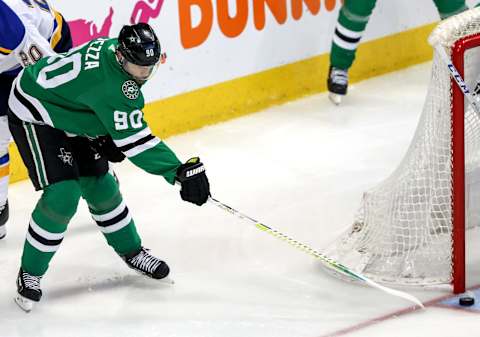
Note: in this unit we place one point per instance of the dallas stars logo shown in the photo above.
(130, 89)
(66, 157)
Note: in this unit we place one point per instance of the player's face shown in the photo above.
(139, 73)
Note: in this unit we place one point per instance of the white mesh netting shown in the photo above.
(402, 232)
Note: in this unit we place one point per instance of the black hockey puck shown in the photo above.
(466, 301)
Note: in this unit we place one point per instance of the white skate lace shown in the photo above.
(145, 262)
(339, 76)
(31, 282)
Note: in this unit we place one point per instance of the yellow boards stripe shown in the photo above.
(241, 96)
(252, 93)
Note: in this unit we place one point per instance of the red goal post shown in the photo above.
(458, 51)
(410, 228)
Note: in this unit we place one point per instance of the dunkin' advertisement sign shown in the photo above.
(212, 41)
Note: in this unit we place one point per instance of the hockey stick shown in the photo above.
(458, 78)
(328, 262)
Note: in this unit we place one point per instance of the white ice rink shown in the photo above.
(300, 168)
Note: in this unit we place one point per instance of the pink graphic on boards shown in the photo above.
(84, 31)
(146, 10)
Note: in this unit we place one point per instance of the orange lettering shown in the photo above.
(229, 26)
(330, 5)
(194, 36)
(297, 7)
(277, 7)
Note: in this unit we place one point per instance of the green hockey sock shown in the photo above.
(447, 8)
(352, 20)
(48, 224)
(110, 213)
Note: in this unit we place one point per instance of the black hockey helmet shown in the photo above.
(139, 45)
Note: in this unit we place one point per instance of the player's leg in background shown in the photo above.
(5, 138)
(351, 23)
(113, 217)
(4, 174)
(447, 8)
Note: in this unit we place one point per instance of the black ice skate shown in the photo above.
(337, 84)
(3, 220)
(28, 288)
(145, 263)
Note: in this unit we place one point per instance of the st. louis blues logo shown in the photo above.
(130, 89)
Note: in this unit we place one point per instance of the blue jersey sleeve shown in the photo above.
(12, 30)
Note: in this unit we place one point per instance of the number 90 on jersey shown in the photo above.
(125, 121)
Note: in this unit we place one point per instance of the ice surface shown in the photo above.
(300, 168)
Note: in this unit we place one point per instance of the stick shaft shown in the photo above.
(328, 262)
(458, 79)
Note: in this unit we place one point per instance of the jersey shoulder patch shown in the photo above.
(130, 89)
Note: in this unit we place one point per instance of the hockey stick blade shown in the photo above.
(327, 261)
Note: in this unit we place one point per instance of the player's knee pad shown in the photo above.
(59, 201)
(101, 193)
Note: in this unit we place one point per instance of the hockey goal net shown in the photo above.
(410, 229)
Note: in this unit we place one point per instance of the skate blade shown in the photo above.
(166, 280)
(24, 303)
(335, 98)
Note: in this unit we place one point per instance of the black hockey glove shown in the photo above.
(107, 148)
(194, 181)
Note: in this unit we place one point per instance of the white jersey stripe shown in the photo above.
(17, 107)
(133, 138)
(143, 147)
(32, 150)
(36, 103)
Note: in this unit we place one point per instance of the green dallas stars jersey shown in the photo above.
(85, 92)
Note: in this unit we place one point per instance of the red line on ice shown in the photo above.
(376, 320)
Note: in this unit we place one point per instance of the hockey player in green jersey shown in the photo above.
(71, 113)
(352, 20)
